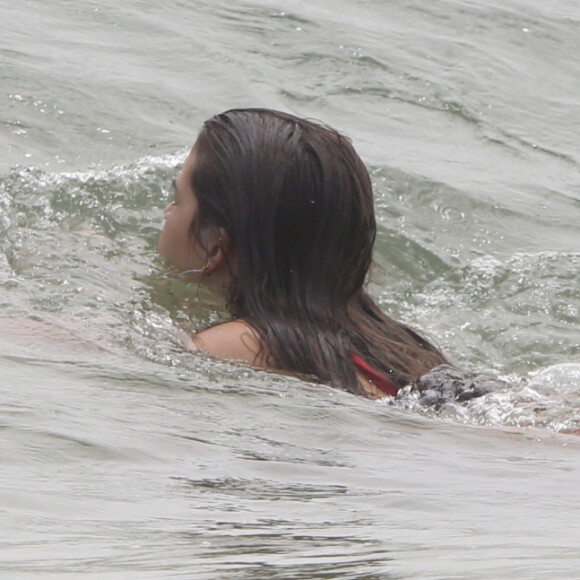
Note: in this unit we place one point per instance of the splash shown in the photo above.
(548, 399)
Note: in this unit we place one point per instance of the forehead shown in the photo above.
(190, 159)
(187, 168)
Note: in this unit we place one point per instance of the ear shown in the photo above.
(219, 250)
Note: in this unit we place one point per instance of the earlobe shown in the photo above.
(218, 251)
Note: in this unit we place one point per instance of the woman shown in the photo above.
(277, 212)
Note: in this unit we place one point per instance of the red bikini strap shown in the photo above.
(382, 382)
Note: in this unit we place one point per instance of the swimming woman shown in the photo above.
(277, 213)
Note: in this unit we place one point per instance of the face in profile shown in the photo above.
(176, 244)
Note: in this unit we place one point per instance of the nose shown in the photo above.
(167, 209)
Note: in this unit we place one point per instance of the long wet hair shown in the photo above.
(296, 201)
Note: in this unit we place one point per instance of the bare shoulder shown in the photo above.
(235, 340)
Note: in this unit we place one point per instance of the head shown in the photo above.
(286, 205)
(279, 211)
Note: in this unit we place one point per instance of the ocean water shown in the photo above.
(124, 456)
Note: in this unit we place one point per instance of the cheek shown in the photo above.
(171, 237)
(175, 241)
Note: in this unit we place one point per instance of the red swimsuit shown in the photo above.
(381, 382)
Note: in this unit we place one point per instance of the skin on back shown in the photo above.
(234, 340)
(237, 340)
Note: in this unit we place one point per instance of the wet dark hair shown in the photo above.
(297, 203)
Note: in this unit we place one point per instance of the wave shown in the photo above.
(549, 398)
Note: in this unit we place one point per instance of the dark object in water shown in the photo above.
(446, 384)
